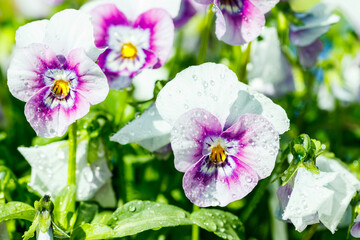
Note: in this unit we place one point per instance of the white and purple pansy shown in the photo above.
(225, 137)
(133, 40)
(240, 21)
(53, 69)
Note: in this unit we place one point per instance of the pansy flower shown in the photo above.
(225, 137)
(310, 198)
(134, 40)
(239, 21)
(316, 22)
(268, 71)
(49, 171)
(53, 70)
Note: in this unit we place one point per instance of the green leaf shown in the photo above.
(138, 216)
(85, 213)
(16, 210)
(64, 207)
(132, 218)
(30, 233)
(102, 217)
(92, 231)
(224, 224)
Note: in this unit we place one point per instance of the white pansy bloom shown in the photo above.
(269, 72)
(310, 198)
(49, 172)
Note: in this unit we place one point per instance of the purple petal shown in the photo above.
(256, 143)
(92, 82)
(188, 135)
(283, 194)
(103, 17)
(161, 27)
(187, 11)
(355, 230)
(204, 1)
(25, 74)
(208, 184)
(239, 28)
(308, 55)
(49, 117)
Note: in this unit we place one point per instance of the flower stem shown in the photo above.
(195, 228)
(311, 232)
(72, 154)
(205, 35)
(244, 63)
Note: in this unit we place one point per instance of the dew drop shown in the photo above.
(132, 208)
(212, 82)
(194, 77)
(248, 179)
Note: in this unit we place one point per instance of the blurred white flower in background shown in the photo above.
(49, 171)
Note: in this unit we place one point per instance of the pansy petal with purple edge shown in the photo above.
(208, 185)
(51, 122)
(33, 32)
(62, 35)
(188, 135)
(104, 16)
(254, 102)
(161, 27)
(209, 86)
(264, 5)
(355, 230)
(26, 68)
(92, 82)
(257, 143)
(238, 29)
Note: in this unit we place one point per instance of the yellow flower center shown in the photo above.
(128, 50)
(217, 154)
(60, 88)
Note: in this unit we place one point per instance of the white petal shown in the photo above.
(48, 235)
(253, 102)
(33, 32)
(269, 72)
(144, 83)
(210, 86)
(134, 8)
(50, 171)
(150, 131)
(63, 35)
(106, 196)
(307, 197)
(33, 8)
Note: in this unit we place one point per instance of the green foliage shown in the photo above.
(138, 216)
(64, 207)
(224, 224)
(17, 210)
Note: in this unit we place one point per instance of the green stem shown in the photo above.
(244, 63)
(352, 220)
(195, 228)
(72, 154)
(205, 36)
(311, 232)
